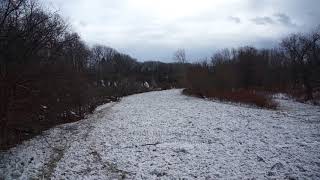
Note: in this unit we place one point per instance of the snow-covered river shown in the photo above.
(168, 135)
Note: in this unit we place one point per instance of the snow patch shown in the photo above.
(104, 106)
(166, 135)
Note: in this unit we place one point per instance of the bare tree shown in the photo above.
(7, 8)
(221, 56)
(298, 48)
(180, 56)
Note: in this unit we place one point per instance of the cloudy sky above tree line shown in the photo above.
(154, 29)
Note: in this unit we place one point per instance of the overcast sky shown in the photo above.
(154, 29)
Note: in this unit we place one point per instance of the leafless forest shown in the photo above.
(50, 76)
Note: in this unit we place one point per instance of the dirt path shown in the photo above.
(168, 135)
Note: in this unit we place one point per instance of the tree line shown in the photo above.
(248, 74)
(48, 75)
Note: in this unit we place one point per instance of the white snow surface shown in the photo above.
(166, 135)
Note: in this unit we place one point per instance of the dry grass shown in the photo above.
(241, 96)
(300, 96)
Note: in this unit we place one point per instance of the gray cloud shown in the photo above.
(284, 19)
(279, 18)
(262, 20)
(155, 29)
(83, 24)
(234, 19)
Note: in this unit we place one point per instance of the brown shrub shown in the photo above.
(240, 96)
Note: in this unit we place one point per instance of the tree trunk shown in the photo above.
(308, 86)
(6, 93)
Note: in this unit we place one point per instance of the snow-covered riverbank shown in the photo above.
(168, 135)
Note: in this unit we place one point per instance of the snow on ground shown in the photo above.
(168, 135)
(104, 106)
